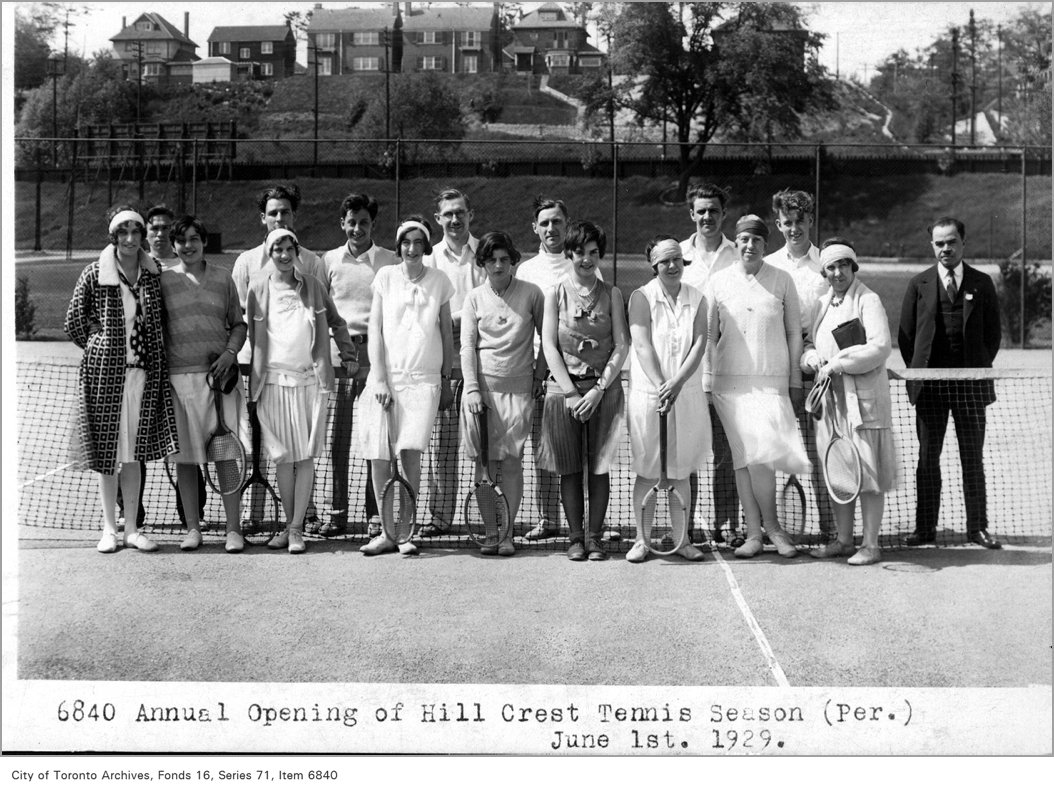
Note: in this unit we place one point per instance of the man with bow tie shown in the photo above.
(950, 319)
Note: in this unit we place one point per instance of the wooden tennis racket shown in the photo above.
(663, 535)
(487, 514)
(398, 500)
(226, 467)
(790, 507)
(259, 531)
(842, 471)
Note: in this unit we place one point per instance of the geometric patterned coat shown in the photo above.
(95, 322)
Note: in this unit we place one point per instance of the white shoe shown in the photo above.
(109, 543)
(192, 541)
(638, 553)
(235, 542)
(296, 541)
(140, 542)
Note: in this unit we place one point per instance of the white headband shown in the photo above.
(123, 217)
(833, 253)
(665, 249)
(276, 235)
(406, 226)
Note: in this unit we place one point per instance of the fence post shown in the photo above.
(40, 179)
(398, 179)
(1024, 243)
(816, 195)
(614, 213)
(73, 189)
(194, 176)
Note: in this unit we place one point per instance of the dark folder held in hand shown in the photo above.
(849, 333)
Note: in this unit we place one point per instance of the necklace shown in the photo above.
(417, 277)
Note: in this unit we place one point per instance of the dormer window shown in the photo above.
(144, 26)
(549, 16)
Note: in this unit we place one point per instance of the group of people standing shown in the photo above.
(723, 341)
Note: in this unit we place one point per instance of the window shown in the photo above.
(365, 64)
(325, 66)
(471, 64)
(430, 63)
(267, 47)
(430, 37)
(549, 16)
(560, 39)
(471, 38)
(144, 26)
(559, 61)
(589, 62)
(365, 39)
(225, 47)
(266, 69)
(151, 69)
(325, 40)
(153, 47)
(244, 53)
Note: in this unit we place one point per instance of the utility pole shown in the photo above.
(973, 80)
(837, 57)
(955, 77)
(387, 86)
(314, 48)
(999, 70)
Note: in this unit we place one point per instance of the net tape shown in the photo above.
(1017, 457)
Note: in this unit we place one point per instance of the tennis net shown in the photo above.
(1017, 460)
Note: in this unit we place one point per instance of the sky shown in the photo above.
(859, 35)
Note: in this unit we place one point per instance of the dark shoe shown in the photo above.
(312, 524)
(373, 527)
(433, 529)
(983, 538)
(332, 529)
(577, 551)
(596, 550)
(717, 535)
(920, 538)
(737, 540)
(611, 535)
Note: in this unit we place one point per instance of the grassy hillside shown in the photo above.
(883, 216)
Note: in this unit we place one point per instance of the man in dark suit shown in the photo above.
(950, 319)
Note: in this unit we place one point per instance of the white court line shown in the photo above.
(759, 635)
(40, 477)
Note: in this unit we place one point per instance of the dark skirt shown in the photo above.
(561, 448)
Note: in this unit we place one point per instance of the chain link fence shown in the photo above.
(881, 197)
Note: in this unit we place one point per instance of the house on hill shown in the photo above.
(451, 40)
(259, 51)
(549, 41)
(156, 50)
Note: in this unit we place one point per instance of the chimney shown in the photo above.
(408, 9)
(124, 22)
(186, 24)
(395, 8)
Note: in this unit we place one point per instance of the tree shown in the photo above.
(34, 27)
(423, 106)
(700, 75)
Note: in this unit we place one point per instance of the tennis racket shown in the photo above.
(225, 469)
(842, 471)
(487, 514)
(398, 500)
(661, 534)
(790, 507)
(260, 531)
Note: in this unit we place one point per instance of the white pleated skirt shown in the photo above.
(131, 406)
(192, 401)
(293, 421)
(411, 415)
(762, 430)
(688, 434)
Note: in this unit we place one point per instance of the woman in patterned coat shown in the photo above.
(125, 410)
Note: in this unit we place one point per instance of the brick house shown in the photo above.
(260, 51)
(165, 53)
(549, 41)
(450, 40)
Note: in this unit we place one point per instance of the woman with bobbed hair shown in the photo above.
(124, 413)
(859, 393)
(586, 341)
(499, 321)
(411, 347)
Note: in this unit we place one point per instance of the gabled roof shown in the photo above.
(534, 19)
(249, 33)
(379, 17)
(164, 30)
(218, 60)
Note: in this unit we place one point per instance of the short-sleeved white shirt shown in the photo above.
(410, 323)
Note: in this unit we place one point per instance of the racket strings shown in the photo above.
(398, 510)
(226, 464)
(842, 471)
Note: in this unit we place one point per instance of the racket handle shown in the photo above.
(662, 444)
(484, 441)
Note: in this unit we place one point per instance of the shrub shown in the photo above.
(1037, 297)
(25, 310)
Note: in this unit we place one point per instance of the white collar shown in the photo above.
(956, 272)
(108, 266)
